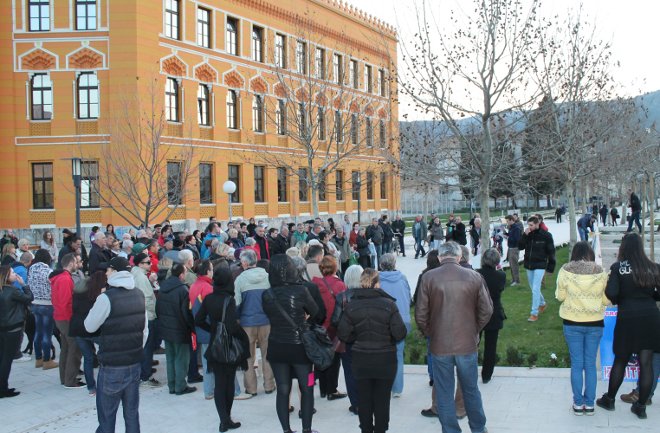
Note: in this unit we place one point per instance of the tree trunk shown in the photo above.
(485, 216)
(652, 215)
(572, 220)
(548, 203)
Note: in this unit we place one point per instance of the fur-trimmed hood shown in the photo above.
(581, 267)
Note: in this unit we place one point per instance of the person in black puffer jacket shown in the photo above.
(372, 323)
(286, 352)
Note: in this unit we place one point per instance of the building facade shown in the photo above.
(215, 72)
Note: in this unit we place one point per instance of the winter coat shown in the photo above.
(39, 284)
(399, 226)
(142, 282)
(395, 284)
(635, 205)
(329, 287)
(388, 234)
(539, 250)
(61, 285)
(495, 282)
(343, 247)
(296, 302)
(12, 307)
(81, 306)
(99, 259)
(419, 231)
(581, 291)
(198, 292)
(459, 234)
(298, 237)
(248, 291)
(175, 321)
(513, 236)
(262, 245)
(51, 248)
(362, 246)
(375, 233)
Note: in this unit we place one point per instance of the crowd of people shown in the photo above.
(163, 291)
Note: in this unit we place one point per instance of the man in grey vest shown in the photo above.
(119, 313)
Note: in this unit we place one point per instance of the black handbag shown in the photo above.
(318, 346)
(226, 348)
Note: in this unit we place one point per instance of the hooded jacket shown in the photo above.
(39, 283)
(581, 291)
(175, 320)
(62, 294)
(539, 250)
(249, 288)
(198, 291)
(395, 284)
(142, 282)
(13, 303)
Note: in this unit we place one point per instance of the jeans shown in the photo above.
(149, 347)
(9, 341)
(177, 356)
(401, 245)
(443, 379)
(209, 378)
(429, 359)
(635, 218)
(584, 233)
(656, 374)
(387, 246)
(86, 346)
(397, 386)
(583, 343)
(379, 250)
(193, 367)
(118, 384)
(351, 383)
(535, 278)
(43, 331)
(258, 334)
(419, 249)
(436, 244)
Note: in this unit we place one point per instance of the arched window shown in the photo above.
(88, 96)
(203, 105)
(232, 110)
(258, 113)
(172, 100)
(42, 97)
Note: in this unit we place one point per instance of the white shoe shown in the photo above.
(396, 394)
(243, 396)
(24, 358)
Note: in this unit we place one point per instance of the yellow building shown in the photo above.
(216, 72)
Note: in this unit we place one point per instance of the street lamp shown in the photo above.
(229, 188)
(76, 171)
(359, 193)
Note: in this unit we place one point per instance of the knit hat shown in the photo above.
(119, 264)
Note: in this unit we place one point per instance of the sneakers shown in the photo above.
(578, 410)
(24, 358)
(606, 402)
(639, 410)
(633, 397)
(532, 318)
(514, 284)
(396, 395)
(151, 382)
(244, 396)
(77, 385)
(542, 308)
(50, 364)
(589, 410)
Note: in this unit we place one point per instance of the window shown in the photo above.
(319, 63)
(280, 50)
(381, 83)
(89, 184)
(258, 113)
(369, 130)
(259, 184)
(383, 185)
(354, 129)
(42, 97)
(339, 185)
(280, 117)
(204, 28)
(257, 44)
(203, 105)
(88, 96)
(172, 19)
(355, 183)
(321, 123)
(302, 121)
(303, 193)
(231, 36)
(339, 131)
(353, 73)
(172, 100)
(42, 185)
(234, 176)
(205, 183)
(174, 184)
(232, 110)
(281, 184)
(322, 186)
(370, 185)
(85, 14)
(382, 139)
(301, 57)
(368, 79)
(39, 11)
(338, 68)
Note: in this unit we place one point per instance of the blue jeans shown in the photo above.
(583, 343)
(115, 385)
(443, 379)
(635, 218)
(535, 277)
(397, 386)
(149, 348)
(351, 383)
(43, 331)
(209, 379)
(429, 358)
(584, 233)
(86, 346)
(419, 249)
(656, 373)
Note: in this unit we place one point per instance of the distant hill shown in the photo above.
(651, 101)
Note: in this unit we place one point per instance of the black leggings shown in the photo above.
(645, 374)
(490, 354)
(223, 395)
(284, 374)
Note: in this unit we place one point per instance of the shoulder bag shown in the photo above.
(225, 348)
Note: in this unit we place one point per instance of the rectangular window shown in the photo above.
(303, 187)
(355, 183)
(259, 184)
(370, 185)
(382, 83)
(258, 113)
(88, 96)
(42, 185)
(354, 129)
(234, 176)
(205, 183)
(319, 63)
(280, 117)
(231, 36)
(368, 79)
(174, 183)
(232, 109)
(382, 139)
(85, 14)
(301, 57)
(204, 28)
(172, 100)
(203, 105)
(42, 97)
(280, 50)
(302, 121)
(339, 131)
(383, 186)
(321, 123)
(39, 15)
(172, 19)
(281, 185)
(369, 131)
(339, 185)
(322, 186)
(338, 68)
(353, 74)
(257, 44)
(89, 184)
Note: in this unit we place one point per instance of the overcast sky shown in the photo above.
(631, 27)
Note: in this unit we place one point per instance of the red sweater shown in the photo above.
(329, 287)
(62, 295)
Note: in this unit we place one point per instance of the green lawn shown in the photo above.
(520, 342)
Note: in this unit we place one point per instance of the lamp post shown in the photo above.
(76, 168)
(229, 188)
(359, 193)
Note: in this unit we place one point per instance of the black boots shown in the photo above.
(639, 410)
(606, 402)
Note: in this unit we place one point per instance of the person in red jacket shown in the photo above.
(61, 284)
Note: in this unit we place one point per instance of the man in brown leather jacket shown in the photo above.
(461, 307)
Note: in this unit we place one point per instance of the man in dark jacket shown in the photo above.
(278, 242)
(586, 224)
(99, 255)
(388, 234)
(513, 253)
(635, 206)
(175, 325)
(262, 242)
(539, 257)
(399, 228)
(460, 234)
(375, 234)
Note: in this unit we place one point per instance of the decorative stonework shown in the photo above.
(234, 80)
(321, 100)
(85, 59)
(302, 95)
(382, 113)
(369, 111)
(355, 107)
(338, 104)
(280, 90)
(38, 60)
(174, 66)
(258, 85)
(206, 74)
